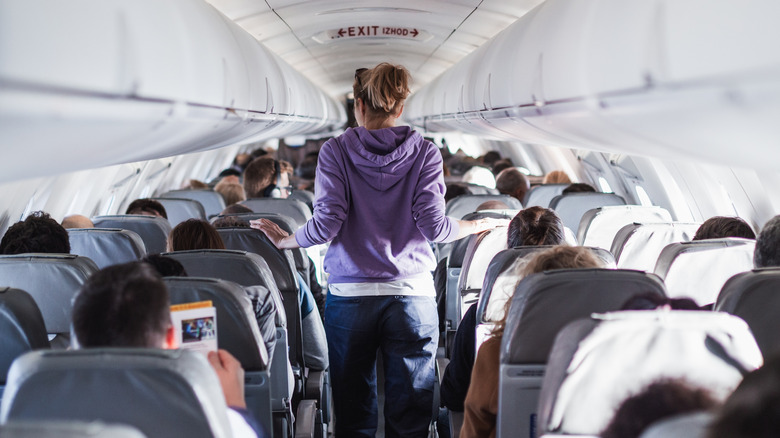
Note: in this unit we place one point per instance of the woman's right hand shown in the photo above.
(274, 232)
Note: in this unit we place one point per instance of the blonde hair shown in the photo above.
(556, 177)
(557, 257)
(231, 192)
(383, 88)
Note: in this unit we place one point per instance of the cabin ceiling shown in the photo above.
(314, 36)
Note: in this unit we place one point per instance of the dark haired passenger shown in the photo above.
(718, 227)
(165, 266)
(147, 207)
(135, 295)
(767, 252)
(454, 190)
(578, 188)
(230, 222)
(530, 227)
(481, 404)
(194, 234)
(512, 182)
(660, 400)
(37, 233)
(236, 209)
(652, 301)
(501, 165)
(262, 180)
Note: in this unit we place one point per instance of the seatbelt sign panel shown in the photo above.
(372, 31)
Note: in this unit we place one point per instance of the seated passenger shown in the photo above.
(77, 221)
(718, 227)
(127, 305)
(660, 400)
(753, 409)
(556, 177)
(492, 205)
(266, 177)
(195, 185)
(481, 405)
(39, 233)
(232, 192)
(454, 190)
(194, 234)
(236, 209)
(652, 301)
(512, 182)
(147, 207)
(578, 188)
(165, 266)
(499, 166)
(230, 222)
(767, 252)
(530, 227)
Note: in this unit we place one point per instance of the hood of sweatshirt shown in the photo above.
(383, 156)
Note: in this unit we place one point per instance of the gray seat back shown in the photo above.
(153, 230)
(51, 279)
(541, 195)
(181, 209)
(637, 246)
(281, 263)
(213, 203)
(599, 361)
(294, 209)
(67, 429)
(106, 246)
(699, 269)
(571, 207)
(680, 426)
(163, 393)
(754, 296)
(599, 226)
(479, 252)
(21, 328)
(464, 204)
(238, 331)
(304, 196)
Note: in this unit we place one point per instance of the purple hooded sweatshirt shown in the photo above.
(379, 196)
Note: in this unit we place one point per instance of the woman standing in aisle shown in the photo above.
(379, 200)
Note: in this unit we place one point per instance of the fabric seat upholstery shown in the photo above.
(106, 246)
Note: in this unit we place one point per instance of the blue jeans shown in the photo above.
(405, 328)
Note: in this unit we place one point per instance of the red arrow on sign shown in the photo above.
(414, 32)
(341, 32)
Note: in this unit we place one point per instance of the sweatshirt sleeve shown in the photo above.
(428, 203)
(330, 200)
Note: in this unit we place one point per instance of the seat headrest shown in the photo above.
(153, 230)
(294, 209)
(570, 207)
(242, 267)
(21, 325)
(280, 263)
(464, 204)
(107, 246)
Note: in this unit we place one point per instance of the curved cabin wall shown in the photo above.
(92, 83)
(691, 79)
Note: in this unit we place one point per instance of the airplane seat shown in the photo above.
(569, 237)
(213, 203)
(163, 393)
(541, 195)
(52, 280)
(597, 362)
(637, 246)
(473, 189)
(479, 252)
(699, 269)
(464, 204)
(599, 226)
(239, 333)
(304, 196)
(296, 210)
(181, 209)
(67, 429)
(443, 250)
(753, 296)
(153, 230)
(541, 306)
(106, 246)
(680, 426)
(502, 277)
(22, 329)
(571, 207)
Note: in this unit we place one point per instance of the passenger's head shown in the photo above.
(236, 209)
(37, 233)
(307, 168)
(195, 184)
(230, 222)
(490, 158)
(512, 182)
(578, 188)
(194, 234)
(480, 176)
(753, 409)
(556, 177)
(535, 226)
(660, 400)
(380, 93)
(652, 301)
(492, 205)
(165, 266)
(266, 177)
(501, 165)
(77, 221)
(123, 305)
(231, 192)
(453, 191)
(718, 227)
(147, 207)
(767, 252)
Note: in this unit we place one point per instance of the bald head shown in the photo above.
(77, 221)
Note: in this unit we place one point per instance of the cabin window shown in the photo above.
(604, 185)
(644, 199)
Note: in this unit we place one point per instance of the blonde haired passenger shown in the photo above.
(556, 177)
(232, 192)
